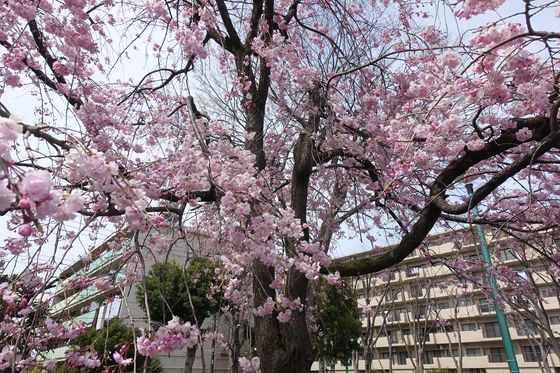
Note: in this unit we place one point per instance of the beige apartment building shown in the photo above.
(428, 316)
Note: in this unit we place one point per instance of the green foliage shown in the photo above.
(338, 321)
(107, 340)
(166, 289)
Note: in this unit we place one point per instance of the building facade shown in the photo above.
(434, 311)
(96, 304)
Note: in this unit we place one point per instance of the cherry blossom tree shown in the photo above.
(270, 129)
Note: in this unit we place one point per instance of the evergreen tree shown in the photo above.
(185, 292)
(338, 322)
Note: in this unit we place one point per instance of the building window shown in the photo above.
(113, 308)
(526, 327)
(400, 358)
(497, 355)
(472, 258)
(443, 305)
(446, 328)
(421, 312)
(412, 271)
(550, 291)
(453, 352)
(484, 305)
(532, 354)
(465, 302)
(555, 320)
(521, 273)
(471, 327)
(491, 330)
(474, 352)
(396, 336)
(416, 291)
(507, 254)
(396, 314)
(539, 268)
(385, 356)
(393, 294)
(424, 335)
(428, 357)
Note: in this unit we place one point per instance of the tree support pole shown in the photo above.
(491, 280)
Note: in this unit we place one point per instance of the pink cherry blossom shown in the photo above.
(250, 365)
(524, 134)
(7, 197)
(266, 309)
(120, 360)
(7, 356)
(25, 230)
(284, 316)
(308, 126)
(450, 59)
(475, 145)
(172, 336)
(36, 185)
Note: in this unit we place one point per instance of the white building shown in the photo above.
(96, 306)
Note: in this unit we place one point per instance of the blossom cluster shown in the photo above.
(250, 365)
(78, 359)
(170, 337)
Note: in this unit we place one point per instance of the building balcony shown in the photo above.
(475, 361)
(442, 363)
(87, 318)
(103, 261)
(75, 300)
(57, 354)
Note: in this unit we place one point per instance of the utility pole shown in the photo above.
(491, 280)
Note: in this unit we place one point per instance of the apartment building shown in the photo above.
(434, 311)
(96, 305)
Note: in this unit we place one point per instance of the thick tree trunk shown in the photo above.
(189, 361)
(282, 347)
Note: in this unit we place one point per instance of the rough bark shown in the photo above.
(287, 347)
(235, 343)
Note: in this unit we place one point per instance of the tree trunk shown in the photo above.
(368, 359)
(189, 361)
(286, 347)
(235, 345)
(282, 347)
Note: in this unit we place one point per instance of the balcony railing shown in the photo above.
(101, 261)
